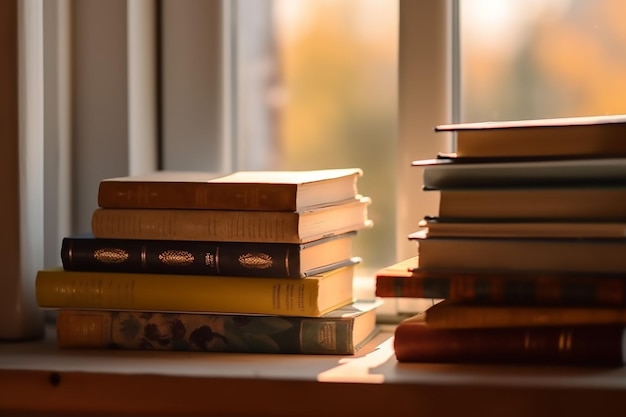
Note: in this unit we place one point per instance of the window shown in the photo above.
(306, 84)
(536, 59)
(226, 87)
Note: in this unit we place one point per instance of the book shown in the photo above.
(447, 172)
(404, 279)
(525, 254)
(243, 190)
(451, 315)
(501, 228)
(280, 260)
(539, 203)
(596, 345)
(588, 135)
(232, 225)
(340, 332)
(312, 296)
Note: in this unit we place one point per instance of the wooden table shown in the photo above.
(38, 379)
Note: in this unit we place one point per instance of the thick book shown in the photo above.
(280, 260)
(537, 203)
(244, 190)
(502, 228)
(575, 136)
(340, 332)
(232, 225)
(593, 255)
(405, 280)
(451, 315)
(453, 172)
(596, 345)
(311, 297)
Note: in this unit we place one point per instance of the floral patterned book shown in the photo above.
(342, 331)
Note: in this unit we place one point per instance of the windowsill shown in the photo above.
(39, 378)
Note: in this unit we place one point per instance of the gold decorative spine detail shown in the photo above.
(326, 336)
(256, 260)
(110, 255)
(176, 257)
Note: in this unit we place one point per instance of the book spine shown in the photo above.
(505, 289)
(445, 315)
(214, 195)
(181, 257)
(583, 345)
(142, 330)
(206, 225)
(164, 292)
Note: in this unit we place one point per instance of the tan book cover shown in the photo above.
(232, 225)
(588, 135)
(244, 190)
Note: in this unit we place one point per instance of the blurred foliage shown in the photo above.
(339, 69)
(555, 58)
(519, 60)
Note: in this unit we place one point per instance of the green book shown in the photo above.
(342, 331)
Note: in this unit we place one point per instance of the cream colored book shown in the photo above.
(232, 225)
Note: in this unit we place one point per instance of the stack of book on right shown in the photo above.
(528, 250)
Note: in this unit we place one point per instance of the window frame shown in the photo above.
(103, 112)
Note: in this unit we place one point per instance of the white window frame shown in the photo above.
(103, 114)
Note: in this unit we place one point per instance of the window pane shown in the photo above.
(337, 100)
(536, 59)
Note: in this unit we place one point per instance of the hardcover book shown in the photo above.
(313, 296)
(244, 190)
(536, 203)
(502, 228)
(453, 172)
(232, 225)
(451, 315)
(572, 136)
(521, 254)
(596, 345)
(404, 279)
(340, 332)
(288, 260)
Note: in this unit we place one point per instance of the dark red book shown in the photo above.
(511, 288)
(600, 345)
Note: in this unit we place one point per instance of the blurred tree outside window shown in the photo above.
(335, 85)
(337, 100)
(538, 59)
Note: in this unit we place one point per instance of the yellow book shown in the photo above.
(308, 297)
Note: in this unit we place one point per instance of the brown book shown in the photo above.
(541, 203)
(245, 190)
(444, 227)
(600, 345)
(502, 288)
(450, 315)
(574, 136)
(521, 255)
(231, 225)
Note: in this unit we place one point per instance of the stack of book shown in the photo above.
(247, 262)
(527, 249)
